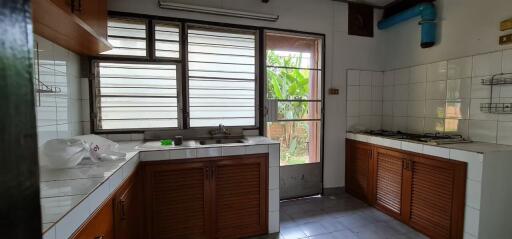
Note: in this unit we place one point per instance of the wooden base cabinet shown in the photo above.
(427, 193)
(100, 226)
(207, 198)
(128, 223)
(359, 168)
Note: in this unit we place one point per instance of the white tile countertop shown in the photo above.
(434, 150)
(69, 196)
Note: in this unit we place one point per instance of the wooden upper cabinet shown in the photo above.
(240, 196)
(77, 25)
(100, 226)
(358, 169)
(177, 200)
(437, 196)
(388, 181)
(128, 209)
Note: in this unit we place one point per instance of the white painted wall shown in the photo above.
(466, 27)
(320, 16)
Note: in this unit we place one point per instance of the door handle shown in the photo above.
(123, 209)
(99, 237)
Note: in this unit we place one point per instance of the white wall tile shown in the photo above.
(209, 152)
(400, 108)
(473, 193)
(155, 155)
(387, 123)
(352, 108)
(389, 78)
(377, 78)
(353, 93)
(458, 89)
(413, 147)
(365, 77)
(457, 109)
(115, 180)
(507, 61)
(233, 150)
(436, 90)
(387, 108)
(352, 77)
(377, 108)
(273, 222)
(476, 114)
(402, 76)
(487, 64)
(417, 91)
(416, 108)
(183, 153)
(273, 177)
(483, 130)
(435, 108)
(471, 221)
(505, 133)
(401, 92)
(419, 73)
(365, 92)
(365, 108)
(49, 234)
(377, 93)
(434, 125)
(400, 124)
(415, 125)
(388, 93)
(273, 150)
(457, 126)
(436, 151)
(273, 200)
(460, 68)
(437, 71)
(256, 149)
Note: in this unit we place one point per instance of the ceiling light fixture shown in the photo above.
(217, 11)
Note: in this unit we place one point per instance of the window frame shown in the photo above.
(95, 110)
(257, 77)
(259, 64)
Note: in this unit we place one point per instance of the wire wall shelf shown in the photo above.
(496, 108)
(498, 79)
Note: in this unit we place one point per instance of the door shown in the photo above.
(101, 225)
(240, 187)
(128, 211)
(437, 197)
(177, 200)
(293, 109)
(388, 186)
(358, 166)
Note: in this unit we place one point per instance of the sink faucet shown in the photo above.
(221, 130)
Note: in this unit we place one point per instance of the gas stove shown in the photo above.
(428, 138)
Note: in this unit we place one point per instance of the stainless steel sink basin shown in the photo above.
(220, 141)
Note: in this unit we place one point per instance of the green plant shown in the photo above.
(286, 81)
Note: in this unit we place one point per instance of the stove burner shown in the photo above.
(428, 138)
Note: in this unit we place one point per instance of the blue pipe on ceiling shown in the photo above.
(428, 14)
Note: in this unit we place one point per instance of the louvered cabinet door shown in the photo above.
(388, 181)
(358, 164)
(177, 200)
(437, 195)
(240, 196)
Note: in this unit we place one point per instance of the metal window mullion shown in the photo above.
(185, 110)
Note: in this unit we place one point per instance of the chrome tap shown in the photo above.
(221, 130)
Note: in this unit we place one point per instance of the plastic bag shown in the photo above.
(63, 153)
(101, 148)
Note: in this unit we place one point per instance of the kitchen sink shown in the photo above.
(220, 141)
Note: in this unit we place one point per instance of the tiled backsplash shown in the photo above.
(445, 97)
(364, 99)
(59, 113)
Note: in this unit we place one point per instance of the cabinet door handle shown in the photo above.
(76, 6)
(99, 237)
(123, 209)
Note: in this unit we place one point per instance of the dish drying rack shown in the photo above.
(41, 87)
(497, 108)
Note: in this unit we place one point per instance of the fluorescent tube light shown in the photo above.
(217, 11)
